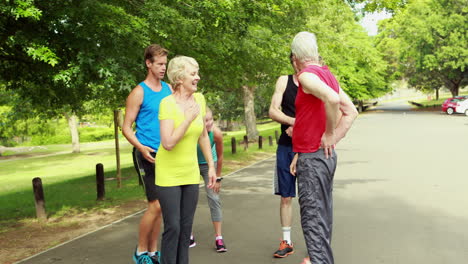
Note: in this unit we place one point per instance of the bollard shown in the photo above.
(246, 142)
(101, 191)
(260, 142)
(270, 140)
(276, 135)
(39, 199)
(233, 145)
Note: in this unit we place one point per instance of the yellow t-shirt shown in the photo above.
(180, 165)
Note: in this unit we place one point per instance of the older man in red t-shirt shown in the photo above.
(324, 113)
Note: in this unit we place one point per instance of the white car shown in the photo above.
(462, 107)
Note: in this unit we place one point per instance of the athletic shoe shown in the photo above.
(220, 246)
(142, 259)
(192, 242)
(284, 250)
(155, 258)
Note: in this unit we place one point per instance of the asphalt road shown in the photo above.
(399, 197)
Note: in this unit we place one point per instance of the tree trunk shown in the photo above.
(437, 93)
(249, 113)
(75, 137)
(455, 88)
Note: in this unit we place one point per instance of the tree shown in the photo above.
(64, 57)
(240, 44)
(390, 6)
(348, 50)
(59, 55)
(19, 121)
(433, 45)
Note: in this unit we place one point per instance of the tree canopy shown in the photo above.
(80, 55)
(59, 54)
(348, 50)
(427, 44)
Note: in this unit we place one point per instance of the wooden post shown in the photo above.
(39, 199)
(246, 142)
(101, 191)
(117, 148)
(233, 145)
(260, 142)
(270, 140)
(276, 135)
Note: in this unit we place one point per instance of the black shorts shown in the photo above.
(284, 182)
(146, 171)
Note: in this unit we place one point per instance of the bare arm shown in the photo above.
(275, 112)
(170, 136)
(204, 142)
(218, 139)
(312, 84)
(349, 114)
(133, 104)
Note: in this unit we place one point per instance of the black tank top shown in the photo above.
(288, 108)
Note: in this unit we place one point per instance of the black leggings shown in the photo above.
(178, 204)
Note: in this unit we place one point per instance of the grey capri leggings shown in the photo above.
(213, 198)
(178, 204)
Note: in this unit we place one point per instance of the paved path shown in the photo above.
(251, 228)
(400, 197)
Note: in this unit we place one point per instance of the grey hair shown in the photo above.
(176, 69)
(304, 47)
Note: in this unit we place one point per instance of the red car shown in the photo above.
(450, 104)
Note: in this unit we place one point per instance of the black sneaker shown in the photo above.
(155, 258)
(142, 259)
(284, 250)
(192, 242)
(220, 246)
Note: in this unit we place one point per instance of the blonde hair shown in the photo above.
(176, 69)
(304, 47)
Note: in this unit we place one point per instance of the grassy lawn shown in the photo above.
(442, 98)
(69, 179)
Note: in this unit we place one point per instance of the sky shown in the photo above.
(369, 22)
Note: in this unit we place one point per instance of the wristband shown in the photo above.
(219, 179)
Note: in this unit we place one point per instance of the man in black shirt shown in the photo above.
(282, 110)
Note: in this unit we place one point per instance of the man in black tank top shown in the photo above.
(282, 110)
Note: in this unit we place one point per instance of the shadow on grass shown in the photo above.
(71, 196)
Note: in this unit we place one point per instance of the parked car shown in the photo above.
(450, 105)
(462, 107)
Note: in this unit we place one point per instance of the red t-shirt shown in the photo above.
(311, 118)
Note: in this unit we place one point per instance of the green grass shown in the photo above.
(266, 129)
(69, 179)
(38, 150)
(442, 98)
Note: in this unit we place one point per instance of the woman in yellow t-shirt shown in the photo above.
(182, 126)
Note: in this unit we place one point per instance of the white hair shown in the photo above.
(304, 47)
(176, 70)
